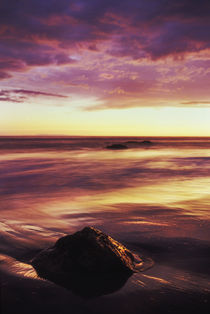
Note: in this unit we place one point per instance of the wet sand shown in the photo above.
(164, 288)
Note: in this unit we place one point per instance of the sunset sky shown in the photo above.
(101, 67)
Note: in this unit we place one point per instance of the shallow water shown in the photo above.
(154, 199)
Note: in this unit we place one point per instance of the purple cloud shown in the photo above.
(40, 33)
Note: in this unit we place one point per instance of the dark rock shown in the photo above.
(90, 285)
(137, 143)
(87, 251)
(146, 143)
(117, 146)
(88, 262)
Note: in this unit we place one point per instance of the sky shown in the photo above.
(90, 67)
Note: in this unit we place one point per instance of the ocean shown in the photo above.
(154, 197)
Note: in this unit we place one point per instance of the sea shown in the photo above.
(153, 196)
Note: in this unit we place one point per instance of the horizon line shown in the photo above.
(144, 136)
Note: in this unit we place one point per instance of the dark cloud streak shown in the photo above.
(22, 95)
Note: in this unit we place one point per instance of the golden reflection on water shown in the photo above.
(17, 268)
(175, 193)
(144, 222)
(170, 191)
(160, 280)
(48, 194)
(162, 276)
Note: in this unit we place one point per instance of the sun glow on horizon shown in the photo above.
(33, 119)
